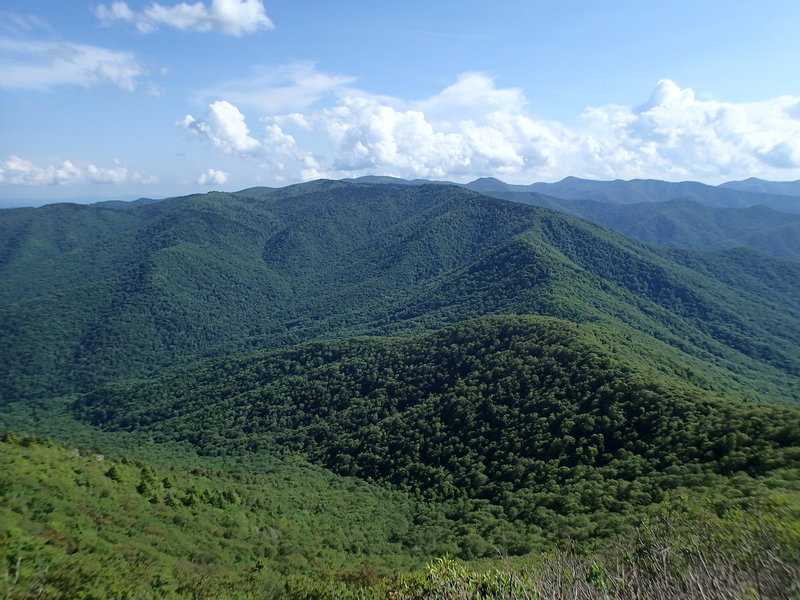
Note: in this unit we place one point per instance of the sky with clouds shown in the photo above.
(122, 99)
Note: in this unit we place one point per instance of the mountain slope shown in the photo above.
(532, 415)
(684, 224)
(548, 382)
(653, 190)
(125, 293)
(202, 274)
(659, 214)
(77, 524)
(753, 184)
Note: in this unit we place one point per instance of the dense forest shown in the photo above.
(93, 294)
(388, 390)
(522, 418)
(755, 214)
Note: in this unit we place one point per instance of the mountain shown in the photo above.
(126, 204)
(395, 180)
(683, 224)
(342, 380)
(650, 190)
(92, 294)
(656, 212)
(753, 184)
(733, 194)
(486, 410)
(484, 185)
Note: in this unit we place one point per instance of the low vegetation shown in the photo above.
(80, 525)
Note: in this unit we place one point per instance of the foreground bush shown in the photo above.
(678, 555)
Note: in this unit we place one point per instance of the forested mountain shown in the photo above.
(485, 376)
(654, 190)
(683, 223)
(490, 411)
(753, 184)
(709, 220)
(92, 294)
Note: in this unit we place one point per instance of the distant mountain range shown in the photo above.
(753, 184)
(653, 190)
(684, 223)
(754, 213)
(782, 196)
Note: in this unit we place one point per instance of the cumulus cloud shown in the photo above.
(783, 155)
(224, 127)
(213, 177)
(674, 134)
(366, 135)
(472, 93)
(31, 65)
(473, 128)
(283, 157)
(19, 171)
(468, 129)
(230, 17)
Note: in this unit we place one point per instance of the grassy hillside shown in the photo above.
(76, 524)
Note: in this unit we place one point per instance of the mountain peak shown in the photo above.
(487, 184)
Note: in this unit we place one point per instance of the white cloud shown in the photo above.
(18, 21)
(472, 129)
(231, 17)
(213, 177)
(19, 171)
(793, 110)
(224, 127)
(295, 86)
(30, 65)
(116, 11)
(468, 129)
(676, 135)
(366, 135)
(472, 94)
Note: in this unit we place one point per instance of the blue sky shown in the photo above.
(126, 99)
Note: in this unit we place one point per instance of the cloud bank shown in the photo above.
(230, 17)
(678, 135)
(18, 171)
(473, 128)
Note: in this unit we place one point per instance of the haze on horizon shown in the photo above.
(121, 99)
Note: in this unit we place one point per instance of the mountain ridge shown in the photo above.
(207, 273)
